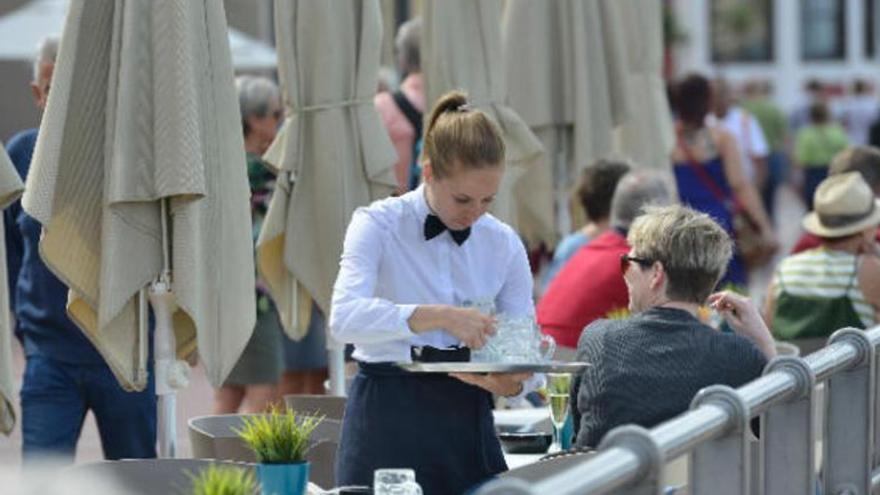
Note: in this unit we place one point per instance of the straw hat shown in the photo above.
(842, 205)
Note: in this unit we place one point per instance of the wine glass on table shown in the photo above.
(558, 397)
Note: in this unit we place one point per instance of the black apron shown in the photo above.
(437, 425)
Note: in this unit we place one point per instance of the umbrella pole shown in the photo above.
(336, 365)
(171, 374)
(164, 346)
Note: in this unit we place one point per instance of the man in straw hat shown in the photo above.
(836, 285)
(862, 159)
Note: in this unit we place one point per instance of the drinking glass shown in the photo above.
(490, 352)
(484, 306)
(520, 341)
(395, 482)
(558, 396)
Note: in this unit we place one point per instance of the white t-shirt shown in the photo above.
(748, 134)
(858, 113)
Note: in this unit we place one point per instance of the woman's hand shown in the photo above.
(503, 384)
(739, 312)
(468, 325)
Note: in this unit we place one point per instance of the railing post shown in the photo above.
(788, 435)
(639, 441)
(721, 466)
(849, 428)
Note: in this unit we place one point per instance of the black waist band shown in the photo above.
(428, 354)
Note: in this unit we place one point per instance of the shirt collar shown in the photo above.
(420, 203)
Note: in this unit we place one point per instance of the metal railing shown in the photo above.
(715, 434)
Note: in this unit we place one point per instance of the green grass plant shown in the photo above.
(224, 480)
(280, 436)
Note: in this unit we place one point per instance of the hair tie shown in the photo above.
(464, 107)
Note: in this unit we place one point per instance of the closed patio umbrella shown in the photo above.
(332, 154)
(566, 75)
(23, 28)
(138, 175)
(647, 136)
(10, 189)
(461, 49)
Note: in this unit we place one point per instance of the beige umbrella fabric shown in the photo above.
(332, 153)
(461, 49)
(647, 136)
(10, 189)
(143, 108)
(566, 75)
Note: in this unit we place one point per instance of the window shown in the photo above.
(872, 13)
(823, 32)
(742, 30)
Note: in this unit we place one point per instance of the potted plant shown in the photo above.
(223, 481)
(280, 440)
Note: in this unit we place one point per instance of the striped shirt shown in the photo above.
(824, 273)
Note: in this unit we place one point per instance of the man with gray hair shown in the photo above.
(646, 369)
(64, 375)
(590, 286)
(402, 110)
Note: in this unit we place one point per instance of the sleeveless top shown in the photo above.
(693, 193)
(817, 292)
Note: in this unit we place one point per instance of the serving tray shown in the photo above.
(469, 367)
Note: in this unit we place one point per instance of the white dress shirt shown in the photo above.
(388, 269)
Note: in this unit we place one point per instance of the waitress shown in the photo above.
(408, 264)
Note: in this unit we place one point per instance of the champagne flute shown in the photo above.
(558, 396)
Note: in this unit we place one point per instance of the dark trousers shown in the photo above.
(776, 175)
(437, 425)
(56, 396)
(813, 176)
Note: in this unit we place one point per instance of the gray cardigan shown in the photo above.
(647, 368)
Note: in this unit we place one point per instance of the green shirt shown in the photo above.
(772, 121)
(816, 145)
(262, 182)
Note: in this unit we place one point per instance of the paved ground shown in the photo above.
(197, 399)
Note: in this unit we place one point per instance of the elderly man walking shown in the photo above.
(64, 375)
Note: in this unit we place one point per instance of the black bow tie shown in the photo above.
(434, 227)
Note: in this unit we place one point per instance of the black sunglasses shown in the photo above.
(625, 259)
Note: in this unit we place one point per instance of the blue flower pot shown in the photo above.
(283, 479)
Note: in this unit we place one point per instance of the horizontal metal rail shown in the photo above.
(617, 467)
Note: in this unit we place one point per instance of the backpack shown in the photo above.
(415, 119)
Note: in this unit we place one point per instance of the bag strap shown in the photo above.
(409, 111)
(702, 175)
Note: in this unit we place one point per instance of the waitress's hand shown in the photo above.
(503, 384)
(468, 325)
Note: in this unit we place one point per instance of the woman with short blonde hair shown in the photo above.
(646, 369)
